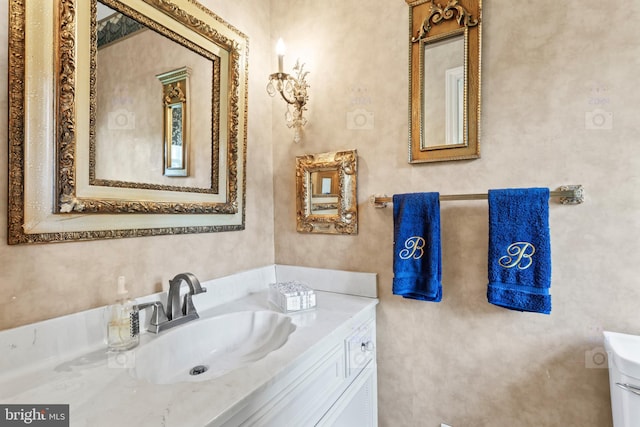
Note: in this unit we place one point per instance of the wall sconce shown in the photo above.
(293, 90)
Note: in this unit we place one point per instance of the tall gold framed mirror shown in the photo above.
(444, 68)
(176, 121)
(98, 148)
(326, 185)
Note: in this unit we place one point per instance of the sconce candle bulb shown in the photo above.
(280, 51)
(292, 89)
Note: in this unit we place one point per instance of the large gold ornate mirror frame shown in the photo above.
(444, 68)
(54, 195)
(326, 193)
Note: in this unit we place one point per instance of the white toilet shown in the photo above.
(624, 378)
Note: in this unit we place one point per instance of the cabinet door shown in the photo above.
(302, 401)
(358, 405)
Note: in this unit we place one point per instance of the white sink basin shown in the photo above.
(215, 345)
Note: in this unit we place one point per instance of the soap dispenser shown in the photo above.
(123, 329)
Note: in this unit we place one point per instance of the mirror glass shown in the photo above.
(444, 72)
(142, 81)
(175, 152)
(326, 192)
(443, 93)
(122, 148)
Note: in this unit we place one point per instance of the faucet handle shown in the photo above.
(158, 316)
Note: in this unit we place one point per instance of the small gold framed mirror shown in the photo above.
(444, 68)
(326, 193)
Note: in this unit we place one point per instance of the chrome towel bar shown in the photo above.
(568, 194)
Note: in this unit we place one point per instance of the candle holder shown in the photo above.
(294, 92)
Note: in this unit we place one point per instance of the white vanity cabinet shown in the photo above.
(333, 384)
(358, 404)
(323, 375)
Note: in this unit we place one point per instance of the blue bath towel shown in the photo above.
(519, 249)
(417, 265)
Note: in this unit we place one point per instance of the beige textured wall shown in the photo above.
(545, 63)
(43, 281)
(461, 361)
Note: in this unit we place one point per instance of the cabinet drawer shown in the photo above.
(360, 349)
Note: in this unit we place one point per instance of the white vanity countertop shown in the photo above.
(100, 394)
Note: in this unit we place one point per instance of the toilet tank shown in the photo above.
(624, 378)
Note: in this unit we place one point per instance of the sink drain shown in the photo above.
(197, 370)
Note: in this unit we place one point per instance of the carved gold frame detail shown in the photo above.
(346, 219)
(65, 109)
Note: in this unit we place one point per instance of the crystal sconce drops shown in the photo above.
(293, 90)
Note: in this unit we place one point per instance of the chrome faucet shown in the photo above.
(176, 313)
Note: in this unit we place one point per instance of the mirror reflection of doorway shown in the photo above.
(324, 192)
(325, 183)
